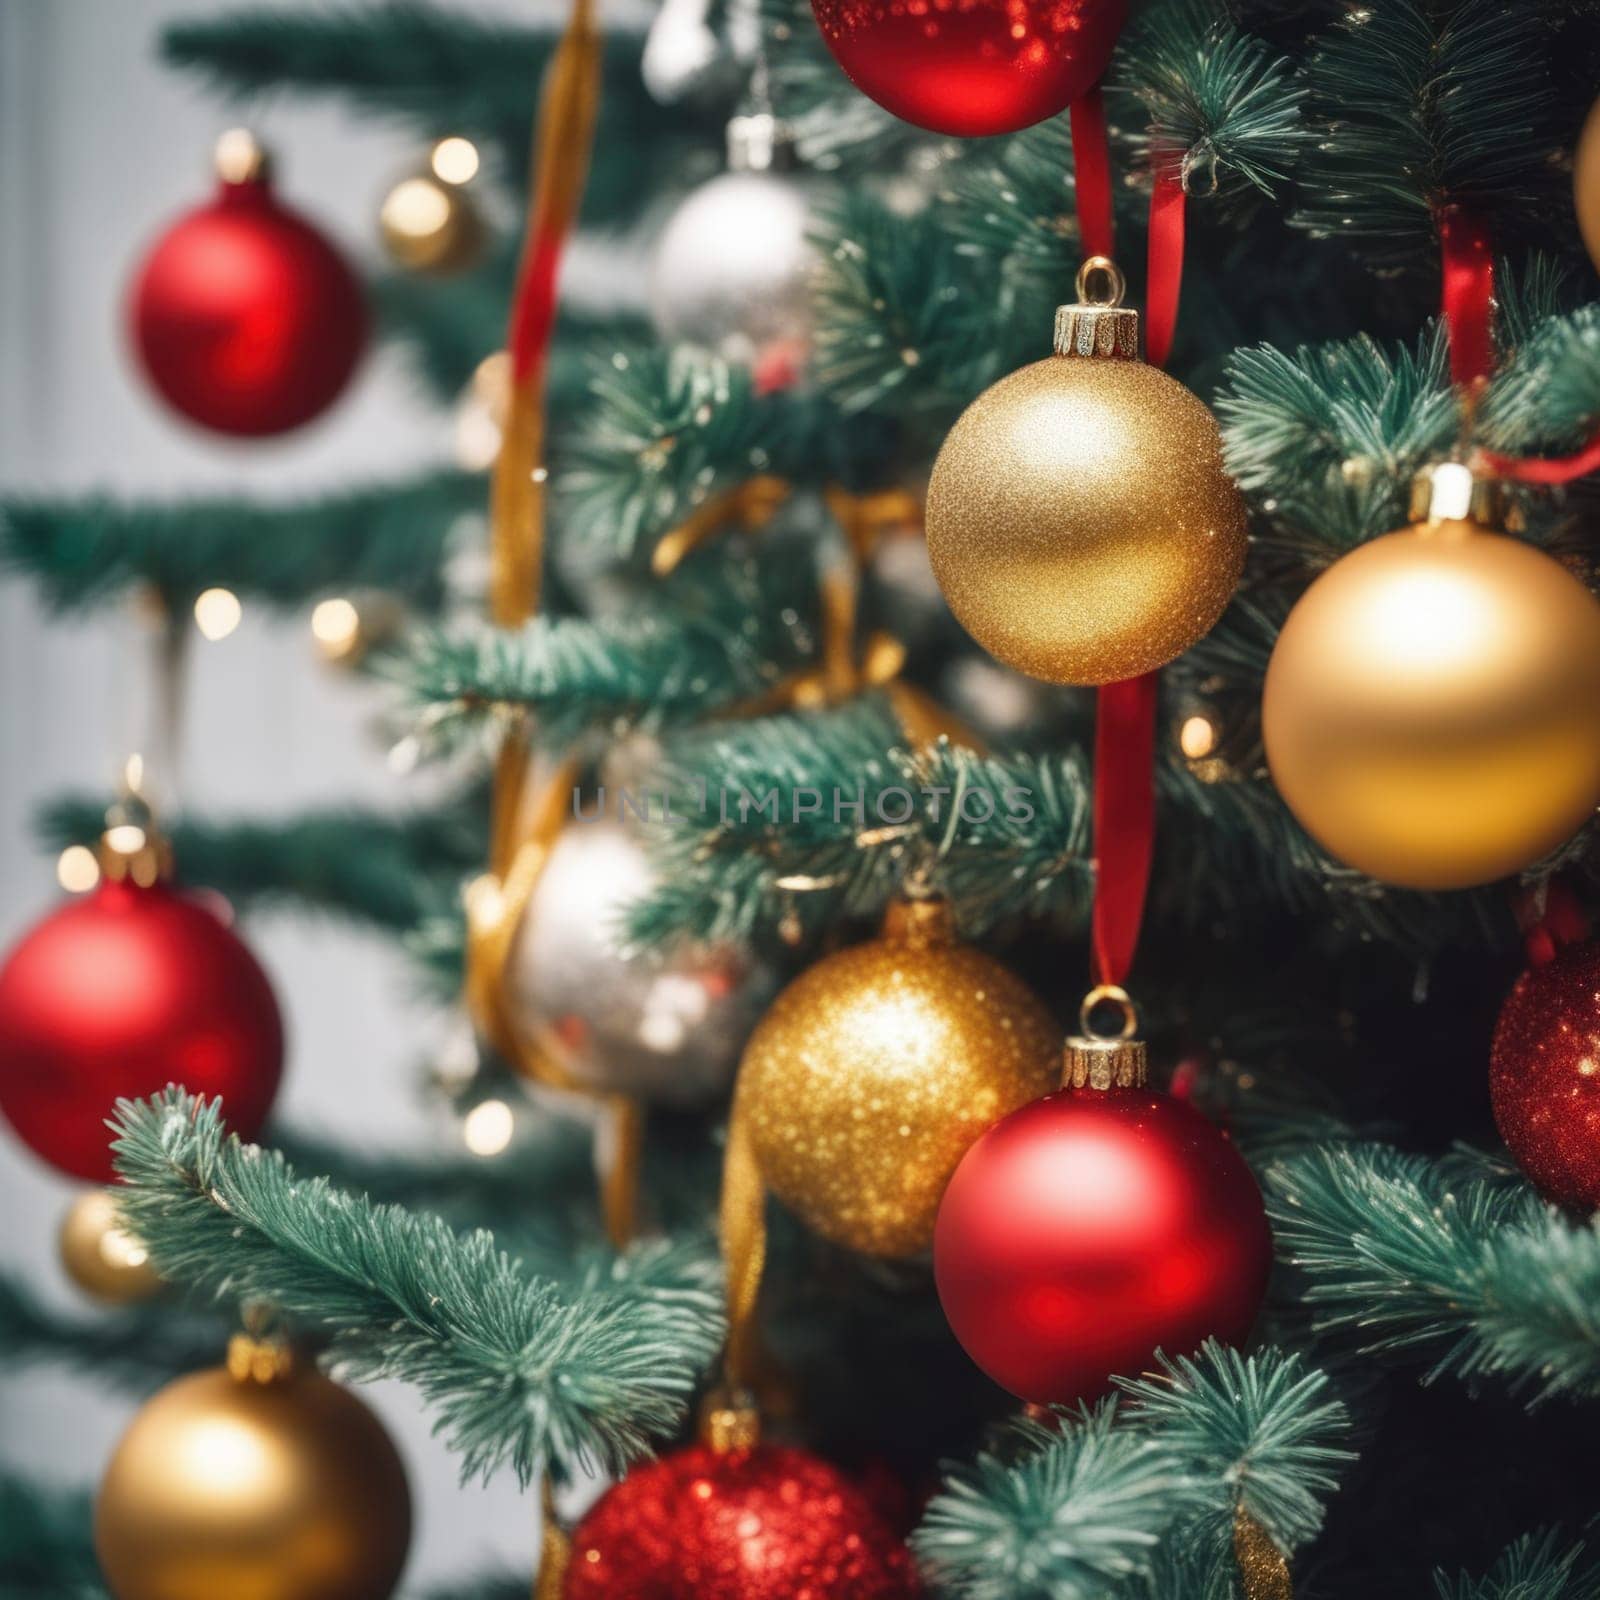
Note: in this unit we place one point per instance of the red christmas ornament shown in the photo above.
(122, 992)
(975, 67)
(245, 317)
(1544, 1076)
(1092, 1228)
(763, 1524)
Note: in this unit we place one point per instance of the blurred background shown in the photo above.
(270, 728)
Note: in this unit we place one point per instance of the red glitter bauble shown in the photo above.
(1544, 1076)
(1091, 1229)
(765, 1524)
(976, 66)
(244, 316)
(122, 992)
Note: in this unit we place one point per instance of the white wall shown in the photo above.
(98, 145)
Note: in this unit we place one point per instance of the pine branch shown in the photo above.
(1415, 1257)
(1117, 1500)
(722, 629)
(84, 553)
(521, 1372)
(46, 1543)
(775, 840)
(1417, 107)
(1538, 1566)
(390, 871)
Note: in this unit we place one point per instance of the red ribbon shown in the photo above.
(533, 311)
(1091, 170)
(1468, 296)
(1546, 470)
(1124, 820)
(1168, 220)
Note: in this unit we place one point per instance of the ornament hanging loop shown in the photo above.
(1094, 1059)
(1101, 283)
(1106, 995)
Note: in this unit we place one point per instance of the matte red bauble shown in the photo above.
(122, 992)
(974, 67)
(1544, 1076)
(244, 316)
(763, 1524)
(1091, 1229)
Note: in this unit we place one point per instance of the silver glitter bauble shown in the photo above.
(665, 1030)
(733, 264)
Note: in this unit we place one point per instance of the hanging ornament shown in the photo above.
(682, 55)
(733, 263)
(244, 316)
(1544, 1076)
(429, 220)
(864, 1085)
(101, 1256)
(1586, 184)
(992, 66)
(664, 1031)
(1429, 713)
(259, 1478)
(120, 992)
(733, 1519)
(1096, 1226)
(1080, 521)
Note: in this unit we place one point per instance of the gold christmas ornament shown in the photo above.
(273, 1484)
(101, 1256)
(863, 1086)
(429, 221)
(1080, 521)
(1432, 707)
(1586, 184)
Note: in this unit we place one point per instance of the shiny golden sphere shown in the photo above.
(1586, 184)
(280, 1490)
(874, 1071)
(1080, 521)
(1432, 710)
(100, 1256)
(431, 226)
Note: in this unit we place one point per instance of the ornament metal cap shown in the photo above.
(1099, 324)
(760, 143)
(258, 1360)
(730, 1421)
(919, 920)
(1450, 491)
(239, 157)
(1094, 1060)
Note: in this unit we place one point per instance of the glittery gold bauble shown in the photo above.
(1080, 521)
(873, 1072)
(287, 1489)
(1586, 184)
(1432, 710)
(431, 225)
(100, 1256)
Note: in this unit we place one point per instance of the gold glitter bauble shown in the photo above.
(100, 1256)
(1432, 710)
(1080, 521)
(431, 226)
(287, 1489)
(1586, 184)
(863, 1086)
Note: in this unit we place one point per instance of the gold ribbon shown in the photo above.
(1263, 1571)
(555, 1549)
(751, 505)
(742, 1225)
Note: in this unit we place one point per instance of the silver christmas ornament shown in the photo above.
(681, 52)
(667, 1030)
(733, 264)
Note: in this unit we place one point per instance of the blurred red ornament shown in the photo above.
(245, 317)
(1091, 1229)
(764, 1524)
(1544, 1076)
(981, 67)
(122, 992)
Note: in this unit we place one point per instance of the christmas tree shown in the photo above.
(861, 658)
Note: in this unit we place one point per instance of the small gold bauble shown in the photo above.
(873, 1072)
(1080, 521)
(1432, 708)
(1586, 184)
(431, 226)
(101, 1256)
(283, 1489)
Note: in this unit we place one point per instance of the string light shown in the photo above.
(1198, 737)
(487, 1127)
(336, 627)
(455, 160)
(77, 870)
(217, 612)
